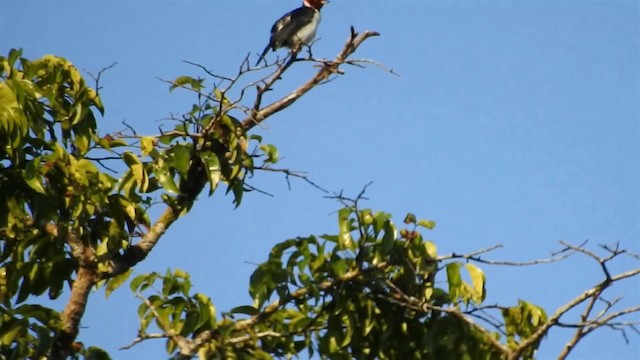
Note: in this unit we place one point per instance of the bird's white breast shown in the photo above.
(306, 34)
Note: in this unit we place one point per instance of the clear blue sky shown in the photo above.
(513, 123)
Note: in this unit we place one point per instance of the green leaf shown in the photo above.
(380, 219)
(14, 54)
(179, 273)
(339, 267)
(10, 334)
(141, 282)
(137, 170)
(167, 139)
(45, 341)
(455, 280)
(206, 310)
(213, 169)
(428, 292)
(180, 157)
(32, 175)
(238, 192)
(109, 142)
(300, 323)
(128, 207)
(258, 138)
(389, 237)
(169, 285)
(429, 224)
(97, 102)
(257, 286)
(410, 219)
(181, 81)
(366, 216)
(42, 314)
(116, 282)
(220, 97)
(246, 309)
(164, 176)
(271, 152)
(431, 249)
(186, 81)
(477, 281)
(95, 353)
(147, 144)
(345, 240)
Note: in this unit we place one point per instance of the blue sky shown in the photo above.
(512, 122)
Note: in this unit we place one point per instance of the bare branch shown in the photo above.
(96, 78)
(209, 72)
(290, 173)
(347, 201)
(143, 337)
(474, 257)
(133, 131)
(595, 291)
(249, 187)
(326, 69)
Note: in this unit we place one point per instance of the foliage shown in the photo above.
(46, 128)
(59, 211)
(371, 290)
(367, 292)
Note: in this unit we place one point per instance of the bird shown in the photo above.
(295, 28)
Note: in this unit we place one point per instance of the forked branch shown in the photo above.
(327, 68)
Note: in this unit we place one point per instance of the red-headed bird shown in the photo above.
(295, 28)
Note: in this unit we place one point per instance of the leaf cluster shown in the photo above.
(61, 210)
(49, 191)
(370, 291)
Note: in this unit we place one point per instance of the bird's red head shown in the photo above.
(316, 4)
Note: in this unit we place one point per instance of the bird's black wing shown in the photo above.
(289, 24)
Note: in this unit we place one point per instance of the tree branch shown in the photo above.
(138, 252)
(85, 279)
(560, 255)
(327, 69)
(595, 292)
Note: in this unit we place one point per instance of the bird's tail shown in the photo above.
(264, 53)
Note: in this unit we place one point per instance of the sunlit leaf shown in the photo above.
(431, 249)
(147, 144)
(186, 81)
(165, 177)
(345, 240)
(271, 152)
(116, 282)
(477, 281)
(454, 279)
(428, 224)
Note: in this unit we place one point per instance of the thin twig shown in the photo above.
(96, 78)
(291, 173)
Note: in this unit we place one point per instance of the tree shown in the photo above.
(372, 290)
